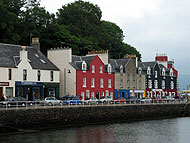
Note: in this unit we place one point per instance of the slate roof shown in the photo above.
(77, 61)
(10, 57)
(116, 63)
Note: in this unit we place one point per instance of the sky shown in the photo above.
(151, 26)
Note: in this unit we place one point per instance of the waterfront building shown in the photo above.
(161, 77)
(129, 81)
(26, 72)
(88, 76)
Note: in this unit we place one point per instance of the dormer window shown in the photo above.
(109, 68)
(148, 71)
(163, 72)
(171, 72)
(140, 71)
(156, 74)
(84, 66)
(121, 69)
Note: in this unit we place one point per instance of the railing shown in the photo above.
(42, 104)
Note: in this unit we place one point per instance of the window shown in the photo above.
(111, 94)
(121, 83)
(101, 69)
(84, 66)
(109, 69)
(82, 94)
(101, 83)
(9, 92)
(107, 93)
(171, 72)
(10, 74)
(163, 84)
(109, 83)
(148, 71)
(92, 94)
(102, 93)
(39, 75)
(87, 94)
(51, 75)
(163, 72)
(140, 84)
(172, 85)
(84, 82)
(156, 74)
(133, 83)
(93, 68)
(128, 83)
(24, 74)
(92, 82)
(155, 84)
(121, 69)
(140, 70)
(150, 84)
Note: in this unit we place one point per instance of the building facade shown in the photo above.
(161, 77)
(128, 81)
(26, 72)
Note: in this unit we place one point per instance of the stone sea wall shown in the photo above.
(76, 116)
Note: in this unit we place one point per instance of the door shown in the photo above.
(97, 95)
(29, 94)
(1, 92)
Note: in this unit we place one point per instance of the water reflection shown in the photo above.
(156, 131)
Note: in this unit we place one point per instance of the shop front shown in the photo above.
(139, 94)
(122, 93)
(29, 90)
(51, 90)
(6, 90)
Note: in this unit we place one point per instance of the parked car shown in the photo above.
(67, 97)
(52, 101)
(170, 98)
(120, 100)
(146, 100)
(158, 100)
(16, 101)
(106, 99)
(92, 100)
(74, 100)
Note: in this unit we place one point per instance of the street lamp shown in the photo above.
(65, 74)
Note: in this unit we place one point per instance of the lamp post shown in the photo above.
(65, 78)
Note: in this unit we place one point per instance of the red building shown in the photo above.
(93, 77)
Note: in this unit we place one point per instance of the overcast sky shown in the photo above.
(151, 26)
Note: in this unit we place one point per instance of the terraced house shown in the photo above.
(161, 77)
(26, 72)
(129, 81)
(88, 76)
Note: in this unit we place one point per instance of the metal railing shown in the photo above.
(42, 104)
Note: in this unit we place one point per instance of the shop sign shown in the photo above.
(4, 83)
(139, 91)
(29, 83)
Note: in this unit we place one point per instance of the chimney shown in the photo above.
(35, 43)
(23, 53)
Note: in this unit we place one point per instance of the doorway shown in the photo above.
(1, 92)
(97, 95)
(29, 94)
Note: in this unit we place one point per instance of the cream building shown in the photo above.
(26, 72)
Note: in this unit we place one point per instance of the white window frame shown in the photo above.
(82, 94)
(92, 83)
(87, 94)
(121, 69)
(107, 93)
(102, 93)
(172, 84)
(93, 68)
(149, 84)
(109, 69)
(84, 82)
(109, 83)
(101, 83)
(121, 83)
(156, 84)
(92, 94)
(101, 69)
(163, 84)
(111, 94)
(84, 66)
(156, 74)
(148, 71)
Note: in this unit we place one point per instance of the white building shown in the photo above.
(26, 72)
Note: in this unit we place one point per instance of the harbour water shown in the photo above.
(176, 130)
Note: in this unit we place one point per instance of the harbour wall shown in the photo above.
(78, 116)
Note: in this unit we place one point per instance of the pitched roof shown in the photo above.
(77, 61)
(10, 57)
(116, 63)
